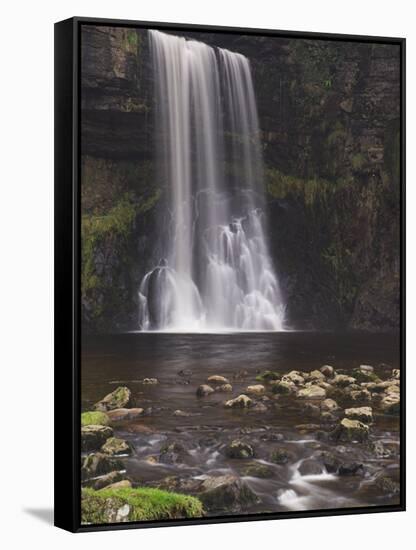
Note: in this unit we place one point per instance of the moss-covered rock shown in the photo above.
(142, 504)
(99, 464)
(350, 430)
(97, 418)
(239, 449)
(115, 446)
(268, 376)
(226, 493)
(117, 399)
(94, 436)
(256, 469)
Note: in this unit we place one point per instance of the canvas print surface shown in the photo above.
(240, 211)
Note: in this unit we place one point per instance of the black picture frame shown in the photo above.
(67, 273)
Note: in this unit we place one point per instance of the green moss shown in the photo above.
(358, 161)
(268, 375)
(143, 504)
(281, 186)
(338, 134)
(94, 417)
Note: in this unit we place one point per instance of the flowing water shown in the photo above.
(204, 427)
(217, 273)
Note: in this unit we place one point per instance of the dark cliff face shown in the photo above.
(329, 116)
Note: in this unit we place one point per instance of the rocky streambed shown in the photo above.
(240, 441)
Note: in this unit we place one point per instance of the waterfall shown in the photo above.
(217, 273)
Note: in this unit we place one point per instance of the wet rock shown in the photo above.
(98, 464)
(116, 447)
(239, 449)
(329, 405)
(178, 484)
(327, 371)
(311, 392)
(309, 409)
(179, 412)
(92, 437)
(173, 453)
(150, 381)
(281, 456)
(295, 377)
(390, 404)
(365, 414)
(282, 388)
(360, 395)
(366, 368)
(117, 399)
(217, 379)
(342, 380)
(316, 376)
(306, 428)
(226, 493)
(125, 415)
(224, 388)
(382, 450)
(395, 373)
(310, 467)
(105, 480)
(257, 389)
(350, 430)
(204, 390)
(256, 469)
(330, 461)
(123, 484)
(328, 418)
(351, 469)
(387, 485)
(259, 408)
(268, 376)
(185, 373)
(271, 436)
(365, 375)
(240, 402)
(392, 389)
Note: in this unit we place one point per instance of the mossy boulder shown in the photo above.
(365, 375)
(99, 464)
(226, 493)
(281, 456)
(364, 414)
(173, 453)
(96, 418)
(390, 404)
(94, 436)
(256, 469)
(105, 480)
(117, 399)
(282, 388)
(268, 376)
(239, 449)
(115, 505)
(350, 430)
(115, 446)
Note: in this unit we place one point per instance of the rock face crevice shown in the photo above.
(329, 114)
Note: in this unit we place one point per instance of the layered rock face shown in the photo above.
(329, 115)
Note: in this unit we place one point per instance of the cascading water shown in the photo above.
(217, 274)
